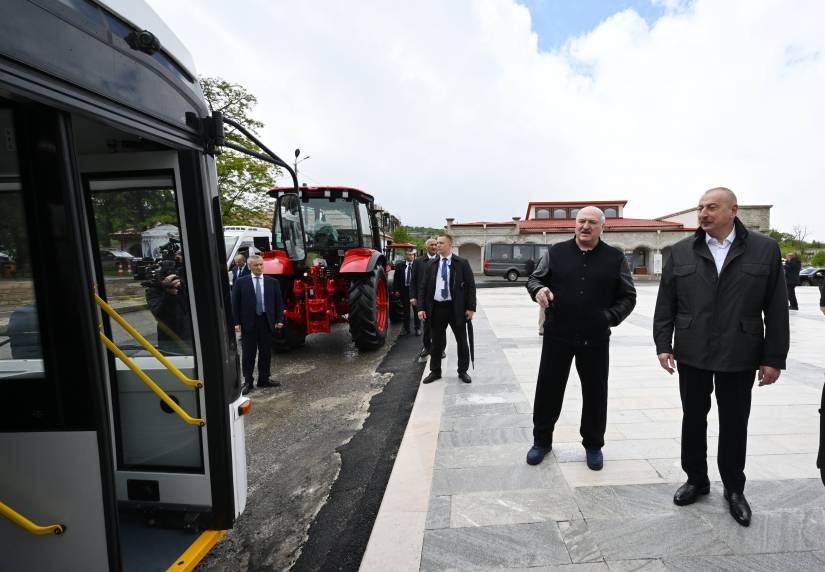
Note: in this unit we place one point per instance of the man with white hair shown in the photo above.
(587, 287)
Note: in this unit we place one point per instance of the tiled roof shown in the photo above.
(567, 225)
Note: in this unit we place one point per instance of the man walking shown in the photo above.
(449, 298)
(239, 269)
(258, 310)
(723, 293)
(792, 268)
(419, 272)
(401, 285)
(588, 288)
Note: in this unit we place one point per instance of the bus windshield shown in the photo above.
(330, 223)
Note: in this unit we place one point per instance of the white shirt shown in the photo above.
(719, 250)
(439, 281)
(254, 289)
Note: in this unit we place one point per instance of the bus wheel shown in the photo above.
(369, 309)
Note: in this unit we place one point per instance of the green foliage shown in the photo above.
(818, 259)
(242, 180)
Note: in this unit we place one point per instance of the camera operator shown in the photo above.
(168, 301)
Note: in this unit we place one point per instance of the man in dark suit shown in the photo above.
(723, 293)
(419, 272)
(449, 298)
(792, 269)
(258, 310)
(239, 269)
(401, 283)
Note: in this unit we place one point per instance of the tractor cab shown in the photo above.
(327, 256)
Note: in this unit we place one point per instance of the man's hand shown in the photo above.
(396, 294)
(171, 283)
(238, 329)
(468, 314)
(822, 309)
(422, 315)
(412, 301)
(668, 363)
(544, 297)
(767, 375)
(279, 325)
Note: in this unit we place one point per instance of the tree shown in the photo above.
(819, 259)
(242, 180)
(402, 234)
(799, 234)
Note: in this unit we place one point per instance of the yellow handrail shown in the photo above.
(145, 343)
(29, 526)
(151, 384)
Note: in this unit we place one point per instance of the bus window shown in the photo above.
(21, 363)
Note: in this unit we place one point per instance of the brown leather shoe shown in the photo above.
(688, 493)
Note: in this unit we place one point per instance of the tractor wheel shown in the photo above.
(290, 337)
(369, 309)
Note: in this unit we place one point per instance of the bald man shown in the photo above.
(723, 295)
(587, 288)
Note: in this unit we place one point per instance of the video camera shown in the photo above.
(169, 262)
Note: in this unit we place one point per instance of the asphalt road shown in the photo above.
(295, 438)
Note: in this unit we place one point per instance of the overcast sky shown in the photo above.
(471, 108)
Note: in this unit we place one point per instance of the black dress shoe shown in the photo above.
(269, 383)
(740, 510)
(434, 375)
(465, 377)
(443, 355)
(425, 353)
(688, 493)
(246, 388)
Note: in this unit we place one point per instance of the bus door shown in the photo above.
(57, 507)
(134, 203)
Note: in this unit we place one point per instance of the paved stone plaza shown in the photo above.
(462, 497)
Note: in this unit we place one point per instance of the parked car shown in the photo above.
(510, 260)
(811, 276)
(113, 259)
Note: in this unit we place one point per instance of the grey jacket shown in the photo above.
(734, 321)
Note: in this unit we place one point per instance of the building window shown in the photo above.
(611, 212)
(559, 213)
(543, 214)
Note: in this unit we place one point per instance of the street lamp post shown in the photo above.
(295, 164)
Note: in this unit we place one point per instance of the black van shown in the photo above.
(510, 260)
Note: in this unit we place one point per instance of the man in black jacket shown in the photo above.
(792, 268)
(419, 272)
(258, 310)
(588, 287)
(723, 293)
(449, 298)
(401, 286)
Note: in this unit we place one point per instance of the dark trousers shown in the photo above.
(258, 341)
(426, 330)
(592, 364)
(733, 401)
(442, 316)
(406, 308)
(792, 297)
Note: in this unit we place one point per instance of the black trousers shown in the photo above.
(426, 330)
(592, 364)
(792, 297)
(406, 309)
(733, 401)
(442, 316)
(258, 341)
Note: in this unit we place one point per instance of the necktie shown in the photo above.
(407, 275)
(444, 278)
(259, 299)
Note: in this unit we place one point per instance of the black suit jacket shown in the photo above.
(239, 273)
(244, 303)
(399, 279)
(732, 321)
(419, 272)
(462, 287)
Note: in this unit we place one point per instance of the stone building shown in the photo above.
(646, 242)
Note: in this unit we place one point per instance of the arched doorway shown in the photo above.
(472, 252)
(642, 261)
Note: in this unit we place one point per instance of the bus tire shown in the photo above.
(369, 309)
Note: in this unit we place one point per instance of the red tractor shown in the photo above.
(327, 257)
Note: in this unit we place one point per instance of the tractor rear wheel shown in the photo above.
(369, 309)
